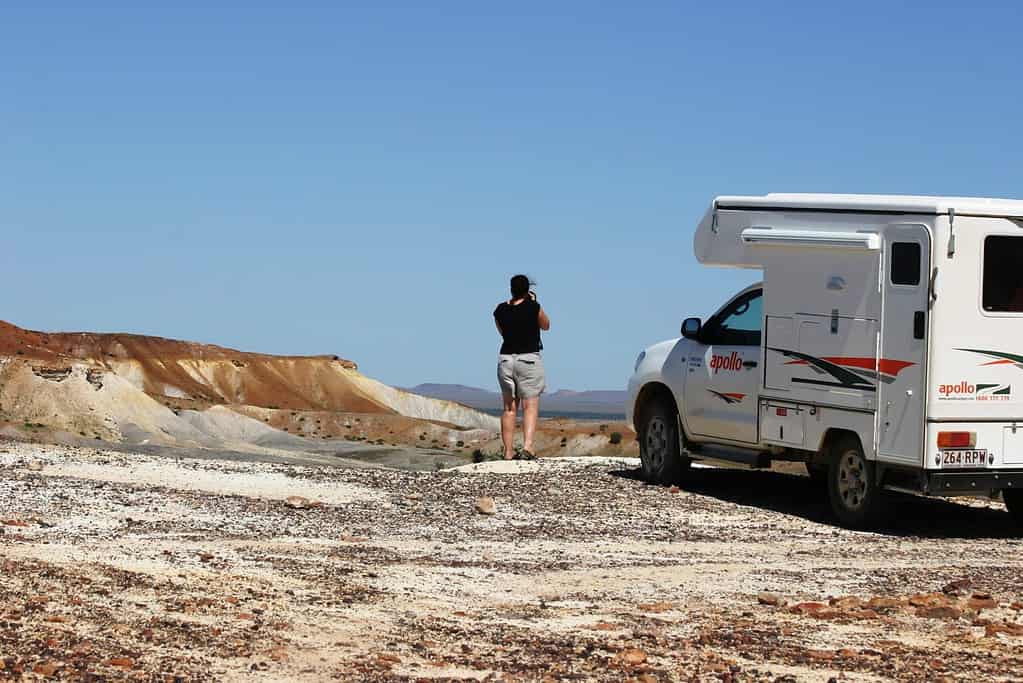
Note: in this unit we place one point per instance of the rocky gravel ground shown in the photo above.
(122, 566)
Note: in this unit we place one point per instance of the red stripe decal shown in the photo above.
(887, 366)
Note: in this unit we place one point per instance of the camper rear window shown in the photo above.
(1003, 276)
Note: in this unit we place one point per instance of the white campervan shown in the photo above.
(884, 348)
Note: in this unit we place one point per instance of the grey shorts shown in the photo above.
(521, 375)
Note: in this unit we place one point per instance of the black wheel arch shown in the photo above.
(832, 437)
(651, 394)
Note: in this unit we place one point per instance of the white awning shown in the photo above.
(772, 237)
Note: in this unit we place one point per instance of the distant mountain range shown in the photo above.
(609, 403)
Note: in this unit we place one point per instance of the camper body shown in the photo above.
(884, 348)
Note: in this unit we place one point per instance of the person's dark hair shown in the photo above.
(520, 286)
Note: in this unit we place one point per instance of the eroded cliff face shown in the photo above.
(121, 386)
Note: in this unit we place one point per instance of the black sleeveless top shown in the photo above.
(520, 326)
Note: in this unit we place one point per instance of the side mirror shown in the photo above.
(691, 328)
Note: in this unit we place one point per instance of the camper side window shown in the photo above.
(1003, 277)
(905, 263)
(739, 324)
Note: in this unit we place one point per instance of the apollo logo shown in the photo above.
(975, 392)
(963, 389)
(730, 363)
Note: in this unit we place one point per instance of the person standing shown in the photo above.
(520, 370)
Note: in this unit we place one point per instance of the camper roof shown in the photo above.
(876, 203)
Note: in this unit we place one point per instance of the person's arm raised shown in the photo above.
(545, 322)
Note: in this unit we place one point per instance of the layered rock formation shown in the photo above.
(130, 387)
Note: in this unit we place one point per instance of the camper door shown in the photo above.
(901, 366)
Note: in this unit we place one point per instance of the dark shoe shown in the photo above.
(480, 456)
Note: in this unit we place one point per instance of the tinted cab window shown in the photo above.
(739, 324)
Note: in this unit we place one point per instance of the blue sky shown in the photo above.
(362, 180)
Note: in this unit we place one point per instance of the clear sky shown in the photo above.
(362, 180)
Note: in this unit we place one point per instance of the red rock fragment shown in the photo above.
(846, 603)
(883, 604)
(929, 600)
(821, 655)
(632, 656)
(992, 630)
(807, 608)
(978, 603)
(121, 662)
(862, 614)
(656, 607)
(939, 612)
(602, 626)
(45, 669)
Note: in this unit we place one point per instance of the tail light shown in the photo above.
(957, 439)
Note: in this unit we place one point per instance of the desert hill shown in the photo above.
(203, 373)
(125, 387)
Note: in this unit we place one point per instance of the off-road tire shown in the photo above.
(855, 497)
(660, 448)
(1013, 499)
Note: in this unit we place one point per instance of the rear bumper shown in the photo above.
(950, 483)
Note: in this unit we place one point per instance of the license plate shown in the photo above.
(970, 458)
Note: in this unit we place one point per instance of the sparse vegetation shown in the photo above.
(616, 438)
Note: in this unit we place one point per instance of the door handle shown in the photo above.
(919, 325)
(749, 364)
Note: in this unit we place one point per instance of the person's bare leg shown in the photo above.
(530, 413)
(511, 408)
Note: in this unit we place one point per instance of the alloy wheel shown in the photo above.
(656, 443)
(852, 480)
